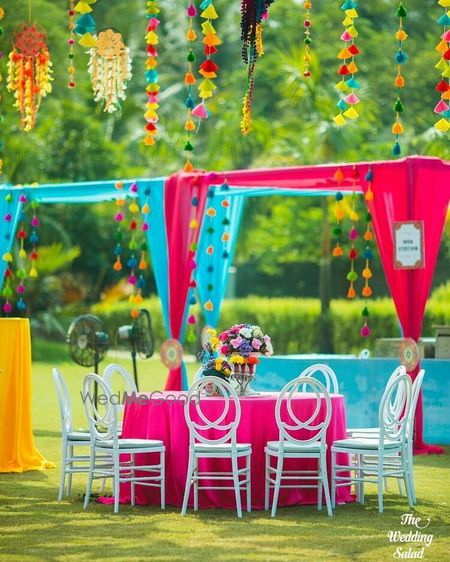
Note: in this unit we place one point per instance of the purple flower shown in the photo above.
(236, 342)
(256, 344)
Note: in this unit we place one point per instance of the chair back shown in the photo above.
(224, 422)
(65, 408)
(415, 392)
(198, 373)
(324, 373)
(394, 409)
(102, 416)
(316, 423)
(130, 385)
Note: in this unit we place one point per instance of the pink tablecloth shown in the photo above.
(162, 417)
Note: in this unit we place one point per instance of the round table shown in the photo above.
(161, 416)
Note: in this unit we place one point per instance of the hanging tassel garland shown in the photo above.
(151, 73)
(348, 85)
(400, 57)
(442, 108)
(2, 15)
(71, 43)
(189, 80)
(29, 72)
(84, 24)
(307, 39)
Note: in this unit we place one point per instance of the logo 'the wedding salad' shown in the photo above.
(414, 541)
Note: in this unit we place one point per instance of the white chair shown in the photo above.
(130, 387)
(373, 433)
(393, 418)
(198, 374)
(104, 438)
(70, 462)
(290, 447)
(222, 445)
(322, 372)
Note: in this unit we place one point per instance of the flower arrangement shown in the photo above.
(242, 342)
(217, 367)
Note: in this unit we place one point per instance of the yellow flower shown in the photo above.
(211, 332)
(214, 341)
(237, 359)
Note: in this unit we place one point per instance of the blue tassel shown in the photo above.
(396, 151)
(195, 201)
(151, 76)
(192, 300)
(348, 5)
(140, 284)
(21, 305)
(189, 103)
(401, 57)
(117, 250)
(132, 262)
(34, 238)
(205, 4)
(369, 175)
(341, 104)
(352, 83)
(368, 254)
(210, 269)
(339, 196)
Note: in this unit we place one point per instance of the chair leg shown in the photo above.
(324, 483)
(319, 486)
(62, 480)
(248, 475)
(333, 479)
(407, 479)
(187, 488)
(276, 490)
(163, 479)
(411, 473)
(116, 480)
(401, 491)
(196, 484)
(87, 497)
(69, 476)
(237, 488)
(267, 483)
(380, 471)
(133, 476)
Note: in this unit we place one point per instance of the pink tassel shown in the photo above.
(191, 11)
(191, 319)
(365, 331)
(353, 235)
(132, 279)
(134, 187)
(35, 221)
(119, 217)
(200, 111)
(23, 199)
(8, 217)
(192, 264)
(145, 226)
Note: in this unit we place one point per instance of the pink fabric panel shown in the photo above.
(179, 191)
(165, 421)
(417, 189)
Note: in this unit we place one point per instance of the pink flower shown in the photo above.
(223, 336)
(236, 342)
(224, 349)
(256, 344)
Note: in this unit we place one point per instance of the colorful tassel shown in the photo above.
(151, 73)
(348, 100)
(307, 39)
(190, 80)
(399, 82)
(208, 69)
(442, 108)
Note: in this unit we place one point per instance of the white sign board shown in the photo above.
(408, 245)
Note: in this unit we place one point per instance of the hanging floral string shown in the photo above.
(151, 74)
(192, 264)
(442, 108)
(84, 25)
(2, 15)
(368, 256)
(29, 72)
(400, 57)
(189, 80)
(135, 279)
(7, 257)
(307, 39)
(353, 235)
(110, 69)
(71, 43)
(208, 69)
(252, 14)
(348, 85)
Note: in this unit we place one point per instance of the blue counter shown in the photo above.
(362, 382)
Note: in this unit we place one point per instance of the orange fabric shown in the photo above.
(17, 450)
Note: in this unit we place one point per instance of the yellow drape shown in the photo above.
(17, 450)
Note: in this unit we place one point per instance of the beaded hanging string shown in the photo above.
(339, 215)
(84, 25)
(307, 39)
(192, 264)
(71, 43)
(135, 277)
(211, 215)
(252, 14)
(368, 256)
(208, 69)
(353, 235)
(34, 223)
(143, 260)
(348, 100)
(151, 73)
(225, 222)
(118, 236)
(7, 257)
(189, 80)
(400, 57)
(442, 108)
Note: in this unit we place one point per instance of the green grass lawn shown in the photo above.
(34, 526)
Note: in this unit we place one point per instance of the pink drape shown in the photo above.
(179, 192)
(415, 189)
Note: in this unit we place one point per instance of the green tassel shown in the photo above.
(193, 246)
(307, 40)
(398, 106)
(210, 287)
(191, 57)
(352, 276)
(368, 217)
(337, 231)
(210, 230)
(365, 311)
(401, 11)
(225, 221)
(188, 146)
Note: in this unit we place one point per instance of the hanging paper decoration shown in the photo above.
(307, 39)
(7, 257)
(252, 14)
(189, 80)
(208, 69)
(400, 57)
(71, 43)
(29, 72)
(110, 69)
(339, 215)
(442, 108)
(118, 237)
(353, 235)
(151, 73)
(367, 274)
(135, 278)
(85, 24)
(369, 193)
(193, 236)
(348, 85)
